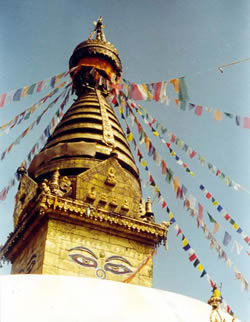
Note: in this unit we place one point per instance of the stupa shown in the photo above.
(80, 223)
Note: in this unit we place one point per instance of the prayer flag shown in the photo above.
(31, 89)
(130, 136)
(179, 231)
(217, 115)
(237, 248)
(53, 81)
(216, 227)
(203, 273)
(157, 90)
(246, 122)
(192, 257)
(200, 215)
(176, 84)
(39, 86)
(198, 110)
(211, 219)
(237, 120)
(227, 238)
(196, 262)
(193, 153)
(17, 95)
(164, 204)
(25, 91)
(200, 268)
(191, 106)
(2, 99)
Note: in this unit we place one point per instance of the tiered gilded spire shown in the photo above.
(89, 132)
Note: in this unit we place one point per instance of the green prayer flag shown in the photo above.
(211, 219)
(31, 89)
(229, 115)
(169, 175)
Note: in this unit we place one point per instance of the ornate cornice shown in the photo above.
(75, 211)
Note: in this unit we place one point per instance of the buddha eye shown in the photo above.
(84, 260)
(117, 268)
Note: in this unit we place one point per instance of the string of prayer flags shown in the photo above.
(154, 91)
(216, 246)
(225, 214)
(25, 115)
(193, 258)
(185, 245)
(42, 140)
(17, 94)
(31, 126)
(149, 146)
(218, 115)
(148, 119)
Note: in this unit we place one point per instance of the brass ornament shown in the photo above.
(59, 186)
(108, 135)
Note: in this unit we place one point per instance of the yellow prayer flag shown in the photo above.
(170, 215)
(130, 136)
(185, 242)
(156, 189)
(143, 163)
(121, 110)
(25, 91)
(215, 203)
(217, 115)
(139, 112)
(216, 227)
(61, 85)
(176, 183)
(156, 133)
(200, 268)
(236, 226)
(173, 153)
(176, 84)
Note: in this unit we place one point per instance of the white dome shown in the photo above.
(47, 298)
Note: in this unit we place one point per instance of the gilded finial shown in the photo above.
(99, 26)
(215, 301)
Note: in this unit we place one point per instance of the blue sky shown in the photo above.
(156, 40)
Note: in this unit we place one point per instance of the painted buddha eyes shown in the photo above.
(82, 259)
(113, 264)
(116, 268)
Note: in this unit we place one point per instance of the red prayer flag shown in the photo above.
(2, 99)
(198, 110)
(246, 122)
(227, 217)
(135, 92)
(200, 215)
(173, 138)
(192, 257)
(208, 195)
(39, 86)
(164, 204)
(157, 88)
(192, 154)
(178, 233)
